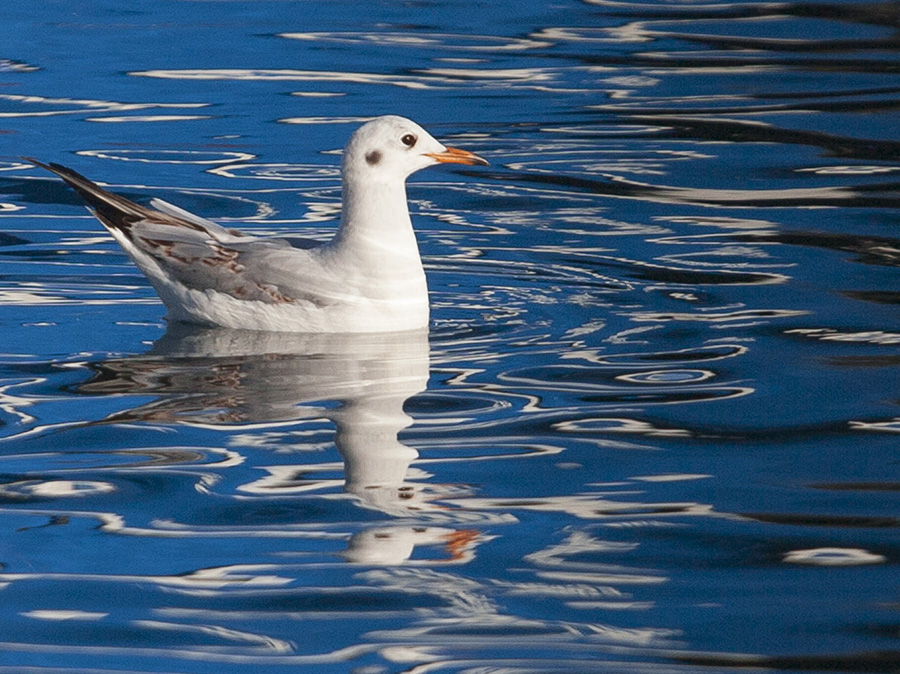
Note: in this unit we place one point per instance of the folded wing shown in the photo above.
(169, 243)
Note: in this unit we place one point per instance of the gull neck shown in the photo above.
(375, 220)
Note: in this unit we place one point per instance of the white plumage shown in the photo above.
(368, 278)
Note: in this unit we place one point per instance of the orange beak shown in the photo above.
(452, 155)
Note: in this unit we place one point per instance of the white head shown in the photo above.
(393, 147)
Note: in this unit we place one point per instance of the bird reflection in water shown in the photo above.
(360, 382)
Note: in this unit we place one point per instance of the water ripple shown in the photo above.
(289, 172)
(662, 356)
(16, 105)
(169, 156)
(420, 40)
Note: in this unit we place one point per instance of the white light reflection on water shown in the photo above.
(146, 118)
(36, 106)
(422, 40)
(427, 78)
(169, 156)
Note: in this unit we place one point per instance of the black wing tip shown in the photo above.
(36, 162)
(50, 166)
(53, 167)
(113, 211)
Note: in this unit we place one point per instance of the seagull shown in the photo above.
(367, 278)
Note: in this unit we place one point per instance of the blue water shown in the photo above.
(654, 424)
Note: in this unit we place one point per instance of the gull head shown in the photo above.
(393, 147)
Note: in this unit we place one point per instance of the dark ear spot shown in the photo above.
(373, 157)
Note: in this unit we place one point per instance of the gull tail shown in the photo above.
(115, 212)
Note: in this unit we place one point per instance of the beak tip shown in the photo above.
(452, 155)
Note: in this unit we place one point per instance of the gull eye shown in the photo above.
(408, 140)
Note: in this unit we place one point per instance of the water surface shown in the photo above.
(653, 426)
